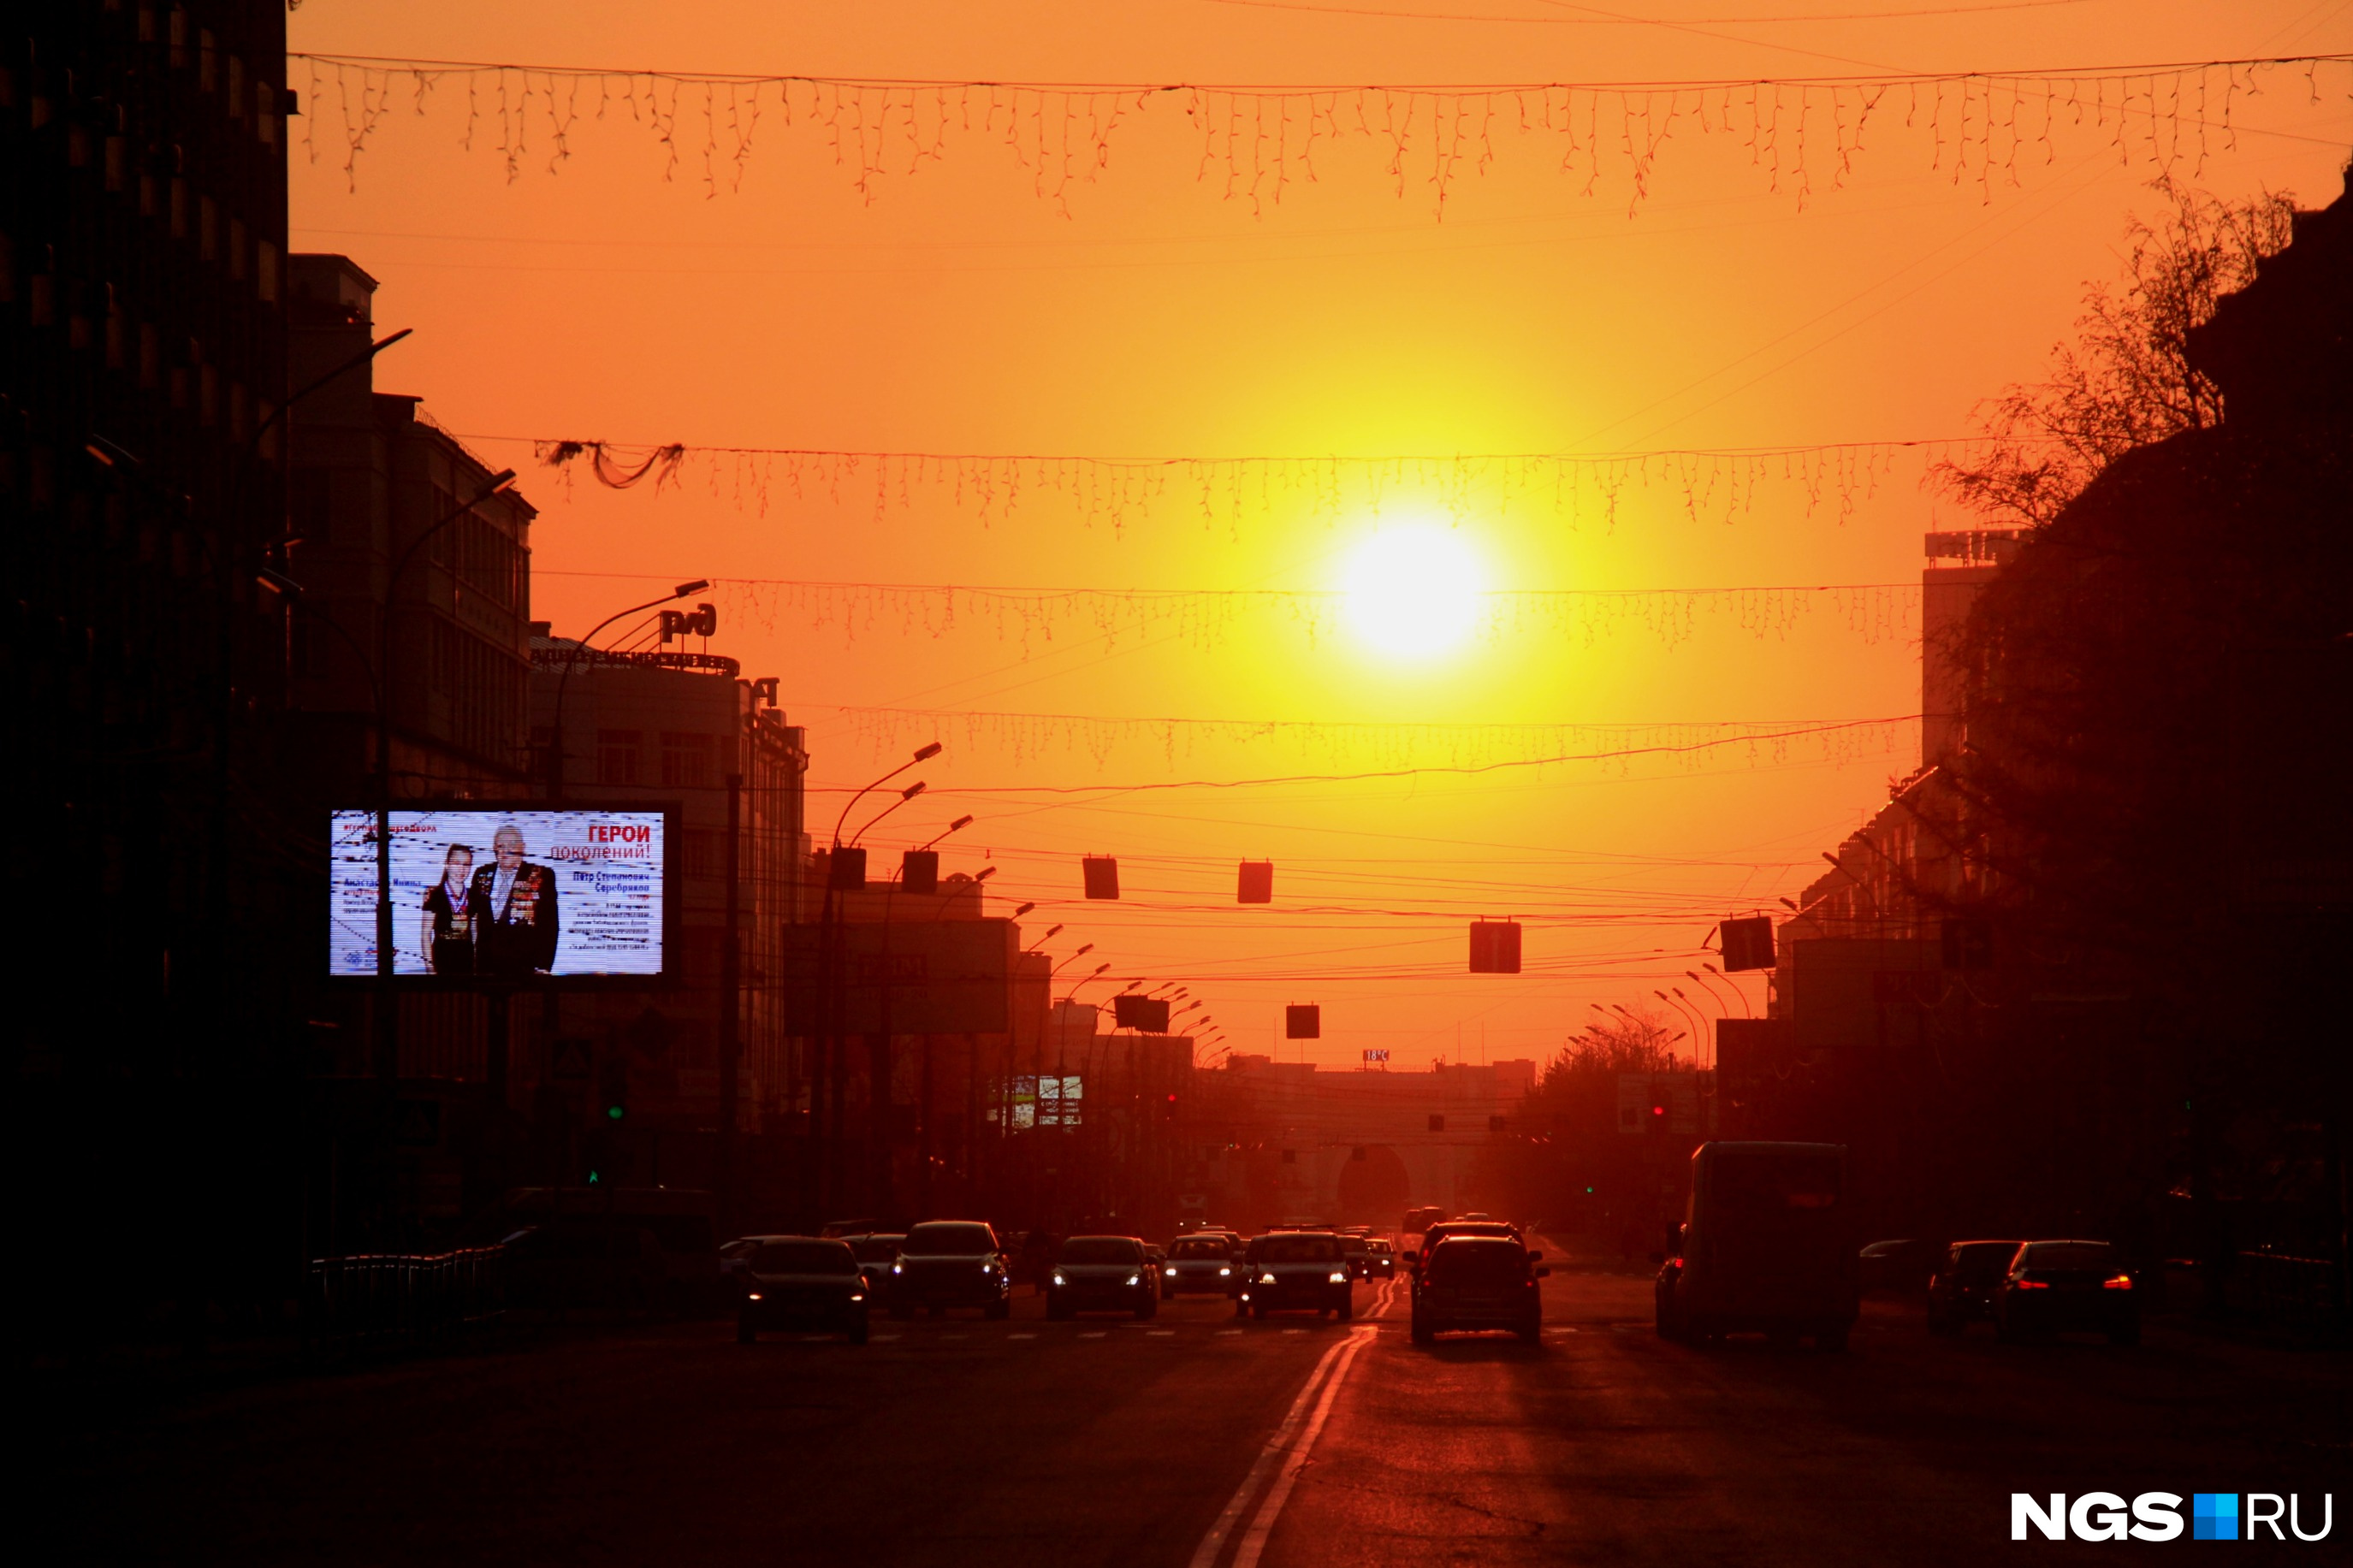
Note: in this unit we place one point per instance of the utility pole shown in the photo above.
(730, 1001)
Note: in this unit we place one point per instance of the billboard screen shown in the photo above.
(515, 894)
(1028, 1101)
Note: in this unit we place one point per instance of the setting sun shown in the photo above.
(1413, 591)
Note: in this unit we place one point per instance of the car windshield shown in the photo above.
(1355, 1243)
(2069, 1255)
(950, 1238)
(1979, 1259)
(1100, 1249)
(1477, 1260)
(876, 1248)
(1298, 1249)
(1197, 1247)
(804, 1258)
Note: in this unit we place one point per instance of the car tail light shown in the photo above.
(2116, 1282)
(2032, 1284)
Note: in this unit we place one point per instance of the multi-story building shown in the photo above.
(143, 233)
(683, 728)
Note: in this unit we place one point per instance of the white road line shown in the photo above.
(1262, 1524)
(1205, 1554)
(1092, 1334)
(1223, 1332)
(1160, 1333)
(1020, 1336)
(885, 1339)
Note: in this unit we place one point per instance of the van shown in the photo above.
(1765, 1247)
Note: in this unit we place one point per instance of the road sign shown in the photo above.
(1378, 1054)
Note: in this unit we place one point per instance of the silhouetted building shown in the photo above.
(143, 238)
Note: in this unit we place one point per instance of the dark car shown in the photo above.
(802, 1283)
(1438, 1232)
(1102, 1273)
(1478, 1282)
(735, 1258)
(1962, 1289)
(875, 1254)
(2067, 1286)
(1898, 1265)
(1198, 1265)
(1381, 1259)
(1293, 1270)
(948, 1263)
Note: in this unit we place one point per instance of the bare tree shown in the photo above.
(2125, 380)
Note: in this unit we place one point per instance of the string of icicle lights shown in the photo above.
(1206, 619)
(1716, 485)
(1258, 140)
(1387, 750)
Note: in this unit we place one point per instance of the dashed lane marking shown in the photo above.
(1160, 1333)
(1092, 1334)
(1223, 1332)
(1020, 1336)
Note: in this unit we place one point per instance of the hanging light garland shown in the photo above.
(1256, 140)
(1715, 485)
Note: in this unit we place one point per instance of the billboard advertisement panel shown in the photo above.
(504, 894)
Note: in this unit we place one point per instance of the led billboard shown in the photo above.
(503, 894)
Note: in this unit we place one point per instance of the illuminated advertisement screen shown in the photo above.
(503, 894)
(1048, 1102)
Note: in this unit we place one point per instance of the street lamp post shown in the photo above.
(572, 662)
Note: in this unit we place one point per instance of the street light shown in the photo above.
(910, 793)
(958, 826)
(1021, 910)
(923, 754)
(572, 662)
(1746, 1011)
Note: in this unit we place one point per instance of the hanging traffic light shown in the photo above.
(1102, 873)
(1149, 1014)
(846, 869)
(1302, 1023)
(1494, 947)
(919, 871)
(1257, 883)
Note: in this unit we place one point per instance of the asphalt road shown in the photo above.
(1193, 1440)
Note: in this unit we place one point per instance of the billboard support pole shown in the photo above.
(731, 988)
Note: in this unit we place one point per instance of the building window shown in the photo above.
(686, 760)
(617, 756)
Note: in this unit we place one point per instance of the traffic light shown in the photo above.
(1494, 947)
(1101, 874)
(846, 869)
(1257, 883)
(1302, 1023)
(919, 871)
(613, 1093)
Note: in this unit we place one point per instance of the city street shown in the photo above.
(1193, 1440)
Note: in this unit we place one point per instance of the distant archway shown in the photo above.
(1373, 1190)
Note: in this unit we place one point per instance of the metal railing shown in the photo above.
(389, 1299)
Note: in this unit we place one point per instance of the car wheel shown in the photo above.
(1056, 1311)
(1346, 1310)
(1258, 1311)
(1421, 1330)
(745, 1332)
(1531, 1332)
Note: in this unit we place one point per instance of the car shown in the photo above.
(1380, 1259)
(1962, 1289)
(946, 1263)
(2067, 1286)
(1359, 1249)
(1898, 1265)
(1102, 1273)
(875, 1254)
(1417, 1220)
(1197, 1264)
(732, 1258)
(1764, 1247)
(1441, 1230)
(803, 1282)
(1473, 1282)
(1293, 1270)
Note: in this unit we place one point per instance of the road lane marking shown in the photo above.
(1262, 1524)
(1205, 1554)
(1223, 1332)
(1020, 1336)
(1161, 1334)
(884, 1339)
(1092, 1334)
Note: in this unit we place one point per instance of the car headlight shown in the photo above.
(1224, 1273)
(1266, 1278)
(753, 1297)
(1170, 1271)
(1339, 1277)
(1135, 1279)
(858, 1295)
(1059, 1280)
(898, 1268)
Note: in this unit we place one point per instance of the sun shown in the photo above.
(1413, 591)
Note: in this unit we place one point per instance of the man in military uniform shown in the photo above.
(515, 926)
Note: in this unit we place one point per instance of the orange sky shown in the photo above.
(1149, 315)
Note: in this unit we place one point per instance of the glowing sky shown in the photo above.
(1149, 314)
